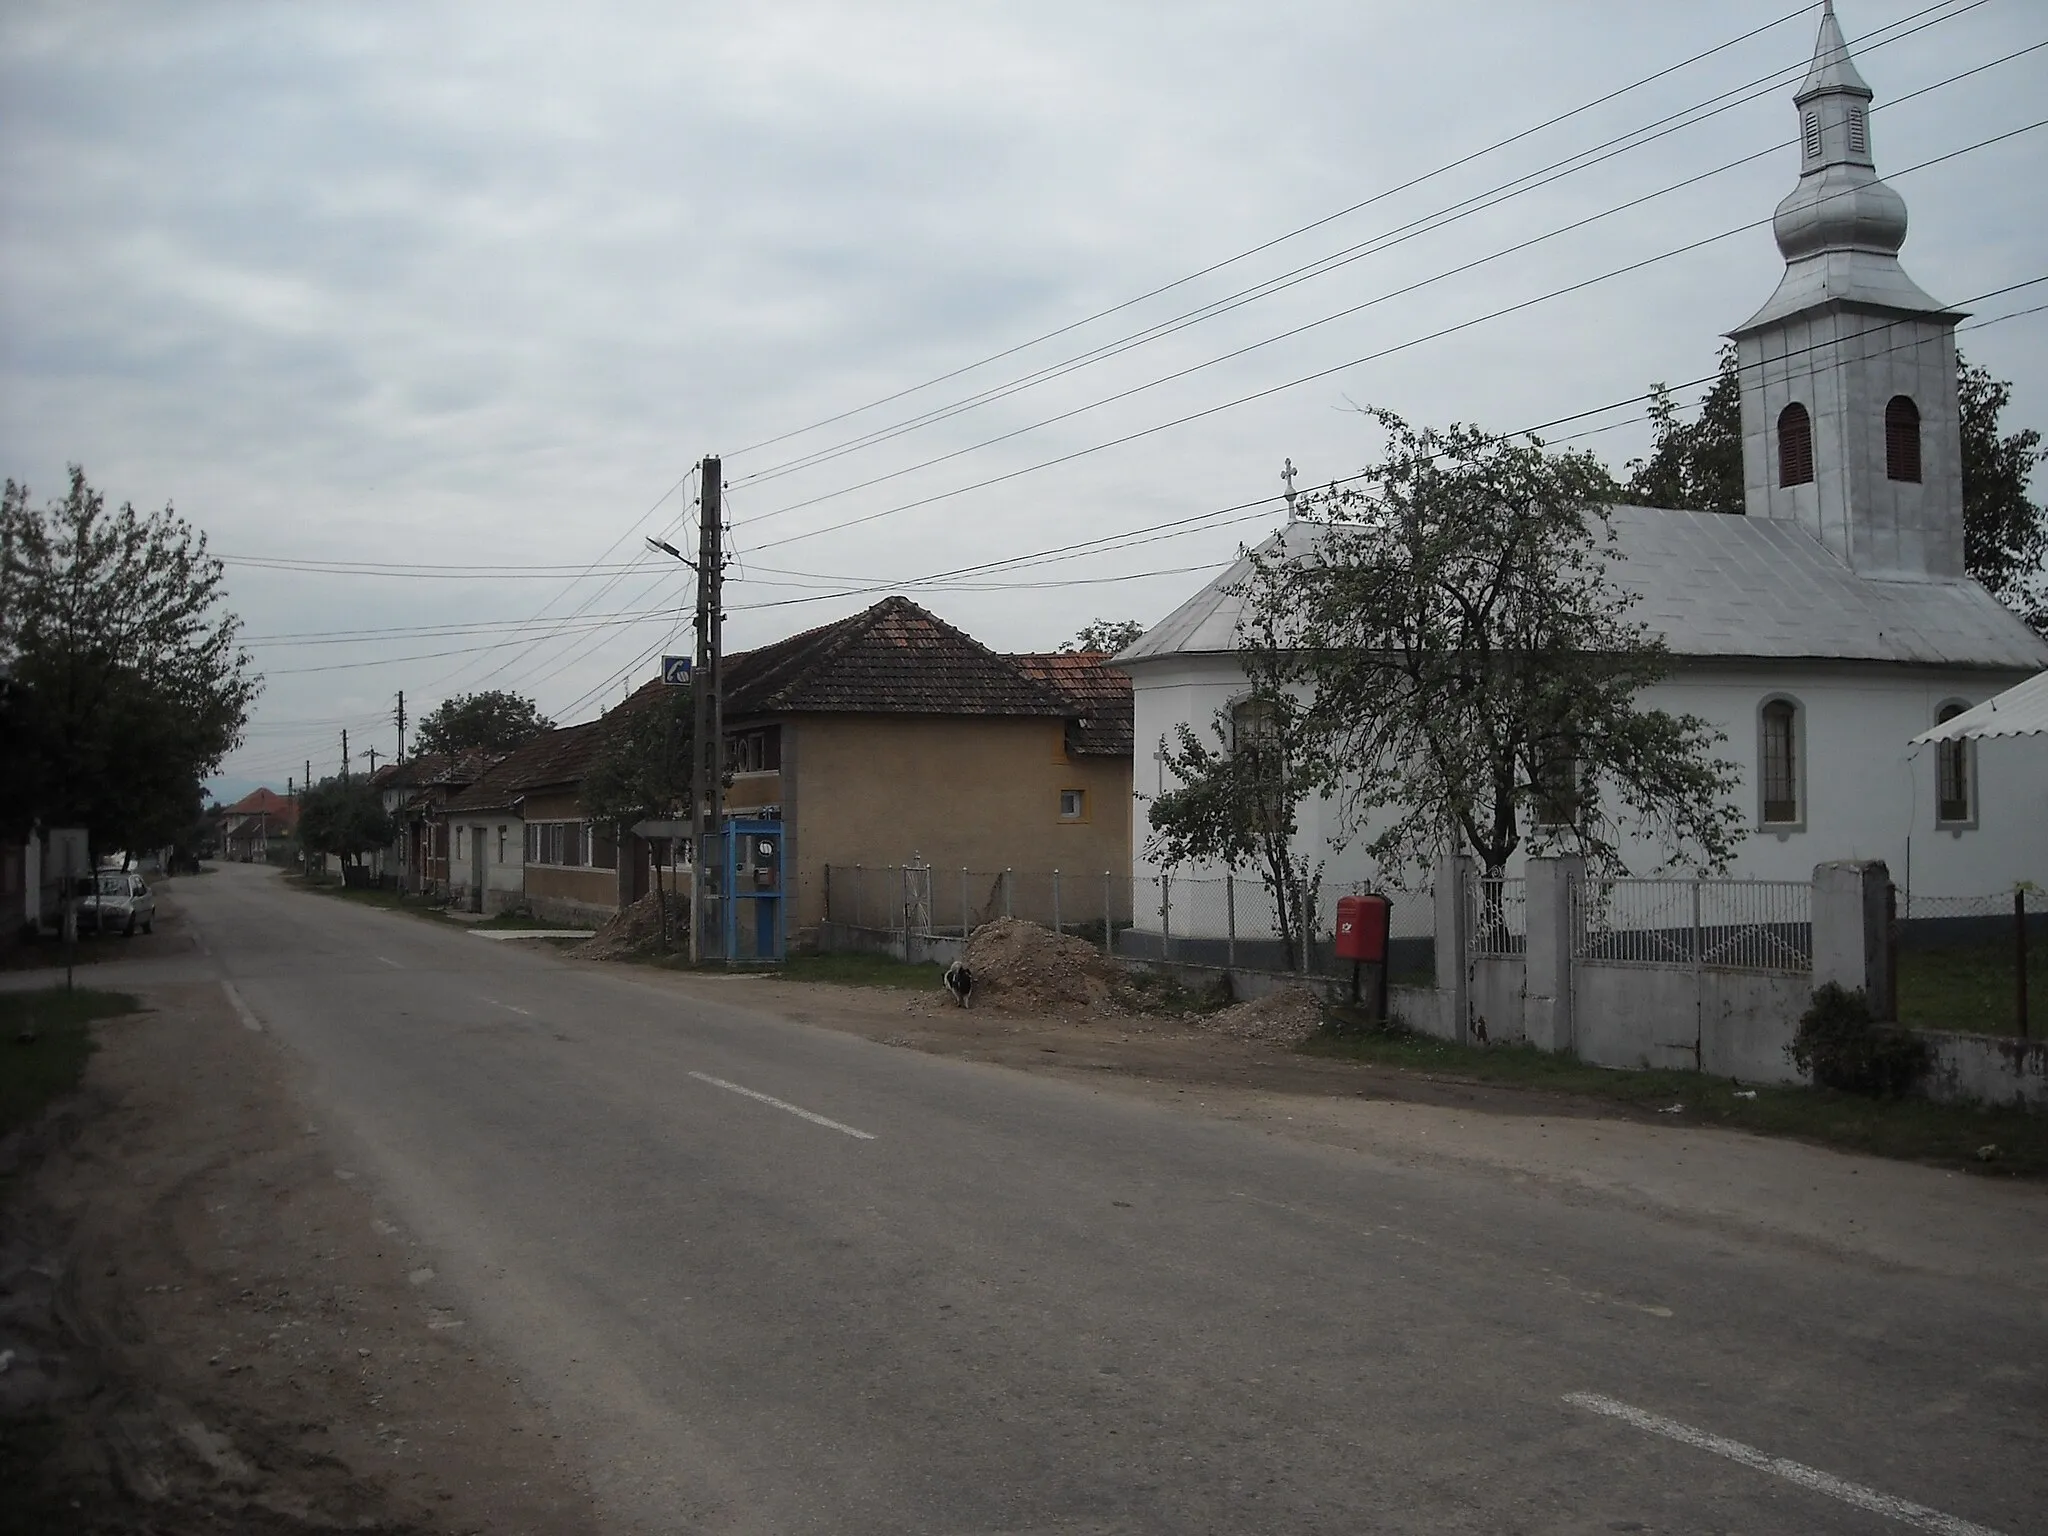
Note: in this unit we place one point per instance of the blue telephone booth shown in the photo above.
(745, 921)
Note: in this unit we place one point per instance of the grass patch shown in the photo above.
(1951, 1135)
(1970, 987)
(863, 971)
(45, 1038)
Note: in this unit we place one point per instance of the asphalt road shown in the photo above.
(770, 1278)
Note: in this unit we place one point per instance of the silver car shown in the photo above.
(120, 902)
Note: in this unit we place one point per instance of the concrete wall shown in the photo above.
(961, 790)
(916, 948)
(1727, 1023)
(1986, 1069)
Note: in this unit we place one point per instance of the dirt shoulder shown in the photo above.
(1561, 1145)
(213, 1329)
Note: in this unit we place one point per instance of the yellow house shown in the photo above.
(891, 737)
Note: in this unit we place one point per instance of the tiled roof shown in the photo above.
(411, 772)
(1714, 585)
(895, 658)
(1103, 710)
(265, 799)
(554, 757)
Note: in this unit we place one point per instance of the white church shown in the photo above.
(1826, 628)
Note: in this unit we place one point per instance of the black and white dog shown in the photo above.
(960, 982)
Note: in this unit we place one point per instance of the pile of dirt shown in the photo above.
(1286, 1017)
(634, 927)
(1019, 967)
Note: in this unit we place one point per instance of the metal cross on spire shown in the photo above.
(1287, 479)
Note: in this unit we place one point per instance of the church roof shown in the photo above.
(1715, 586)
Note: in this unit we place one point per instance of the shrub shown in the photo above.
(1840, 1046)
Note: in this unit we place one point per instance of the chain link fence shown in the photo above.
(1978, 964)
(1226, 920)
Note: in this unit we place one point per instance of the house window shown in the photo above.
(501, 842)
(1902, 440)
(1795, 445)
(461, 848)
(1955, 804)
(1073, 804)
(1781, 751)
(604, 847)
(755, 751)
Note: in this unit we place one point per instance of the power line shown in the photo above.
(1323, 373)
(1494, 197)
(1314, 224)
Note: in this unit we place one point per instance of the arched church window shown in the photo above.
(1902, 439)
(1778, 727)
(1795, 445)
(1953, 799)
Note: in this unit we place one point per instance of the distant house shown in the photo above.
(424, 837)
(257, 826)
(520, 837)
(892, 734)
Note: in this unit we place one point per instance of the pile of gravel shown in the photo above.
(1286, 1017)
(634, 927)
(1019, 967)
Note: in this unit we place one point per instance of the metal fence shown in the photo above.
(1497, 917)
(1737, 925)
(1972, 963)
(1228, 920)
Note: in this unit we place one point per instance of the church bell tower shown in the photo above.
(1850, 423)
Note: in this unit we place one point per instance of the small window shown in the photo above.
(1859, 133)
(1073, 804)
(1780, 751)
(1811, 126)
(460, 846)
(1953, 798)
(1795, 446)
(1902, 440)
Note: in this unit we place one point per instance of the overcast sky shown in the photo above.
(448, 287)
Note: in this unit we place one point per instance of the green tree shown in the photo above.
(128, 684)
(642, 773)
(1106, 635)
(494, 720)
(1461, 650)
(1696, 465)
(344, 817)
(1237, 803)
(2005, 532)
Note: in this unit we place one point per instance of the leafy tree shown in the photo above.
(2005, 534)
(1107, 635)
(344, 817)
(1694, 466)
(128, 683)
(1237, 803)
(643, 771)
(1463, 653)
(495, 720)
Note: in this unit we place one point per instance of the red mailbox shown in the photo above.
(1362, 928)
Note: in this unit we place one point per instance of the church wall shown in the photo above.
(1863, 794)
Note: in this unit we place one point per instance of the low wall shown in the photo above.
(1725, 1023)
(571, 913)
(1985, 1069)
(916, 948)
(1497, 986)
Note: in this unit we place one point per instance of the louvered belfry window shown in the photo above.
(1812, 127)
(1795, 446)
(1902, 439)
(1859, 132)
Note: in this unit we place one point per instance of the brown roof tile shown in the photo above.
(1104, 711)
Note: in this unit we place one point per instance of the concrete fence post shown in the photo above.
(859, 879)
(1056, 928)
(1850, 941)
(1230, 921)
(1165, 915)
(1108, 917)
(963, 904)
(1009, 903)
(1547, 972)
(1453, 974)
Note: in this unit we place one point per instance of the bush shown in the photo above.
(1840, 1046)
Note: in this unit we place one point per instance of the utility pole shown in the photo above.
(707, 795)
(372, 754)
(344, 757)
(398, 719)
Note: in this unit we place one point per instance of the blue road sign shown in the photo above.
(675, 669)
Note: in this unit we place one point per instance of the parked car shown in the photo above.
(118, 902)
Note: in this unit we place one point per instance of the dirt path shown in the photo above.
(213, 1329)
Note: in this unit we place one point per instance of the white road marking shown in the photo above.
(508, 1008)
(392, 963)
(242, 1010)
(1916, 1515)
(802, 1114)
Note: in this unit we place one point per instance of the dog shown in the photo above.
(960, 982)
